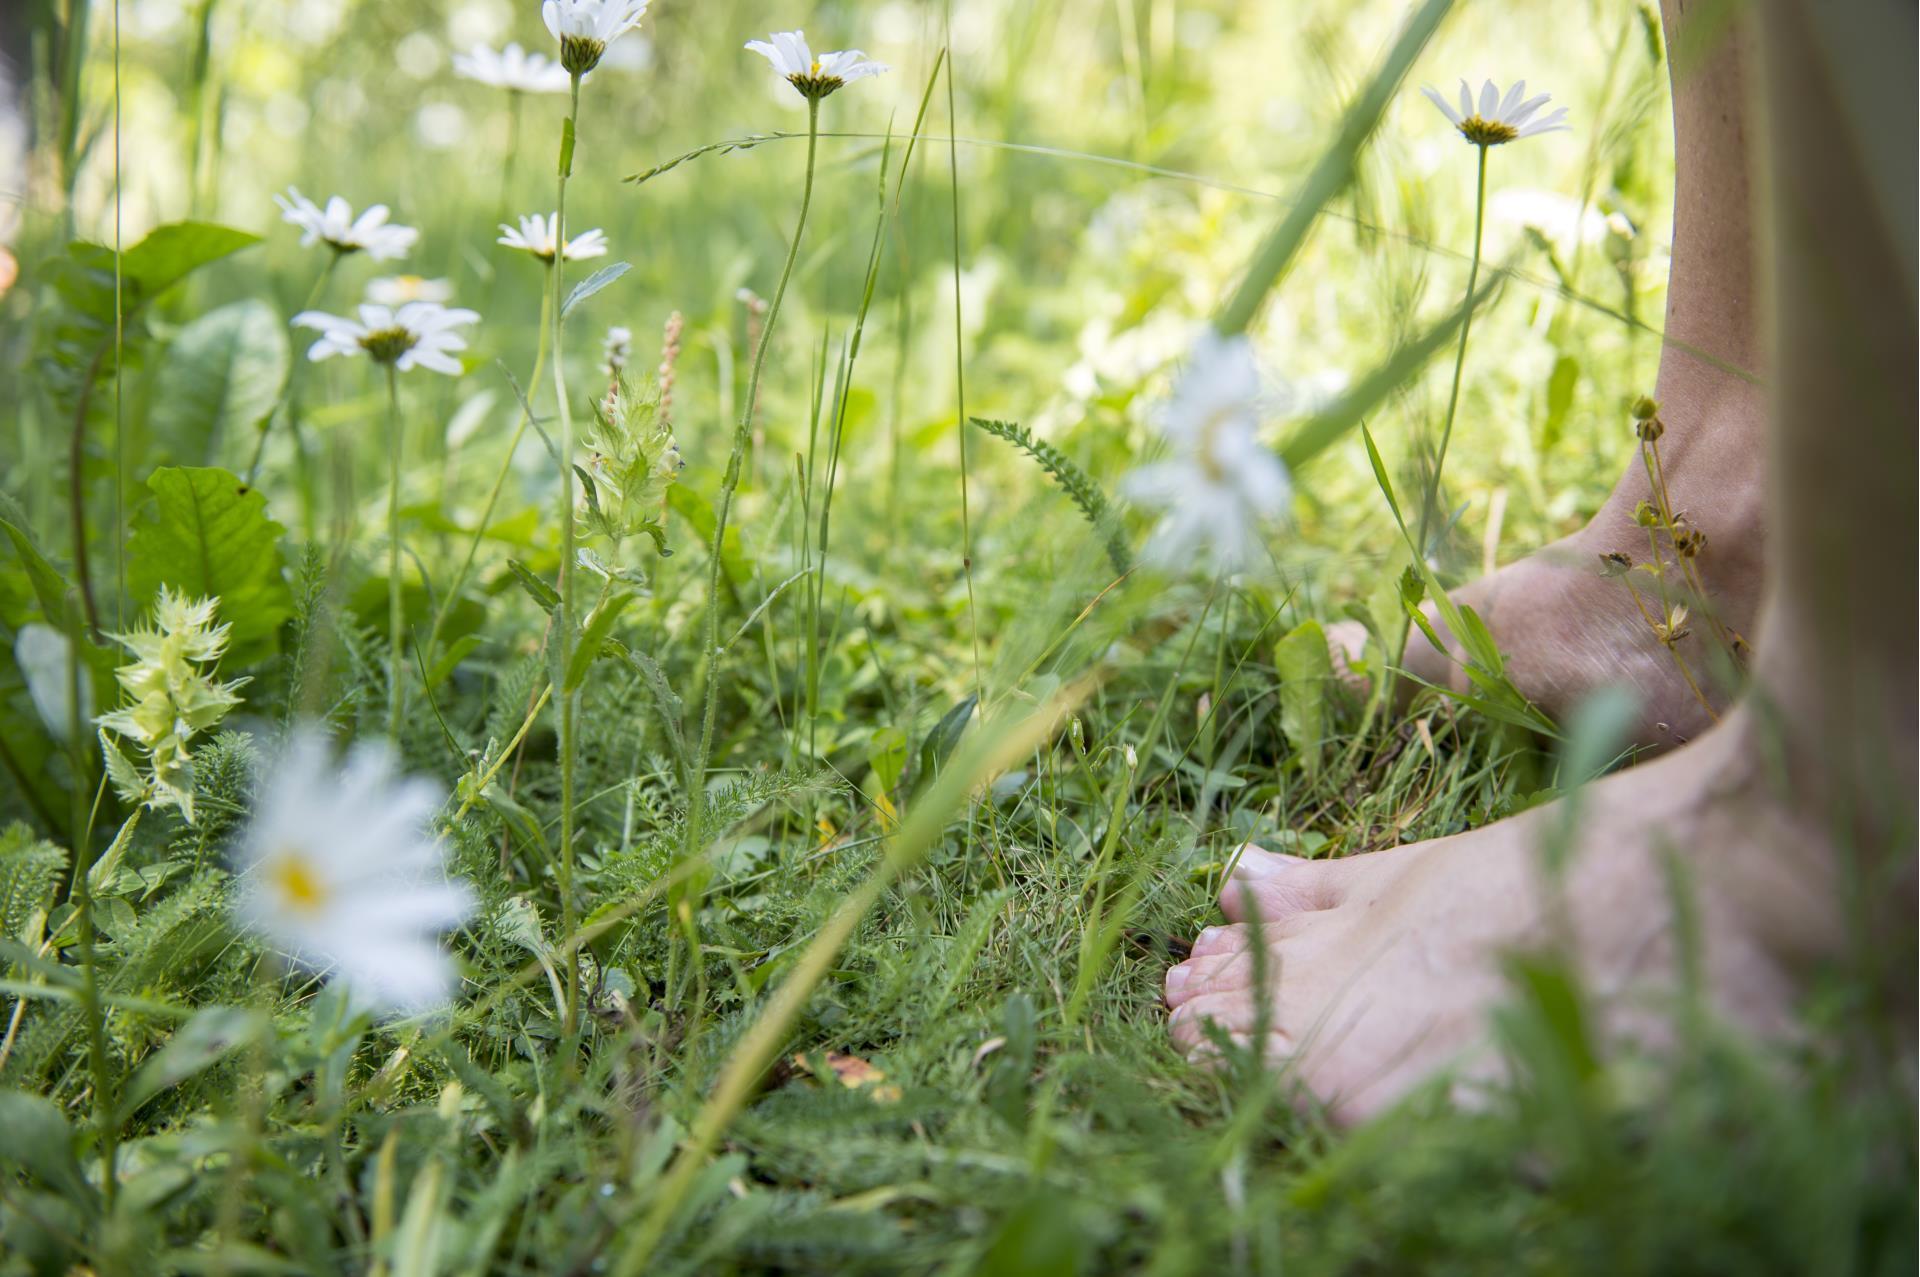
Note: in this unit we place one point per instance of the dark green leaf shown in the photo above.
(208, 534)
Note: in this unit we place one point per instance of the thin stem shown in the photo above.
(729, 482)
(97, 1063)
(1432, 501)
(563, 637)
(396, 617)
(513, 149)
(452, 592)
(292, 401)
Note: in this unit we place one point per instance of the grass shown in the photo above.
(968, 785)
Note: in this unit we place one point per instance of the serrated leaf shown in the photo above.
(1306, 669)
(221, 376)
(591, 285)
(30, 872)
(209, 534)
(542, 593)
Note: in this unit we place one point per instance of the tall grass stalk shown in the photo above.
(730, 481)
(563, 629)
(452, 592)
(396, 611)
(1431, 500)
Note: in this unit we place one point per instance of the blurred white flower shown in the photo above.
(1220, 482)
(337, 227)
(45, 658)
(513, 69)
(1558, 217)
(585, 28)
(416, 334)
(536, 236)
(398, 290)
(340, 867)
(815, 77)
(1496, 119)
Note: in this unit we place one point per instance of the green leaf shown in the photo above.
(209, 534)
(49, 587)
(591, 285)
(593, 636)
(887, 755)
(76, 340)
(1306, 670)
(542, 593)
(30, 872)
(170, 253)
(939, 743)
(34, 1136)
(212, 1034)
(221, 376)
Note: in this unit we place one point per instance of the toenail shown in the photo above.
(1177, 978)
(1255, 864)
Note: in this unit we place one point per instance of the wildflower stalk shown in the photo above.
(1432, 500)
(452, 592)
(396, 629)
(81, 895)
(729, 482)
(563, 637)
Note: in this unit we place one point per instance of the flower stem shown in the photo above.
(1428, 507)
(452, 592)
(291, 403)
(563, 631)
(97, 1064)
(696, 798)
(396, 616)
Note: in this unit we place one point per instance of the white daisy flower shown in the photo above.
(512, 69)
(536, 235)
(398, 290)
(815, 77)
(416, 334)
(337, 227)
(585, 28)
(1496, 119)
(1220, 482)
(340, 867)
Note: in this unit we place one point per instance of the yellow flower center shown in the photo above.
(300, 887)
(1483, 132)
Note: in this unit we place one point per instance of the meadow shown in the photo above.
(790, 742)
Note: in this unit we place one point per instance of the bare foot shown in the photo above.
(1567, 628)
(1381, 968)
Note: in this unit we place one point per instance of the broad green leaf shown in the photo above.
(220, 377)
(169, 253)
(939, 743)
(208, 533)
(1306, 670)
(76, 341)
(887, 755)
(49, 587)
(35, 1136)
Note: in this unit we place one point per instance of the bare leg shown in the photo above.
(1385, 964)
(1566, 629)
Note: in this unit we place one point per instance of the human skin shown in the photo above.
(1791, 819)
